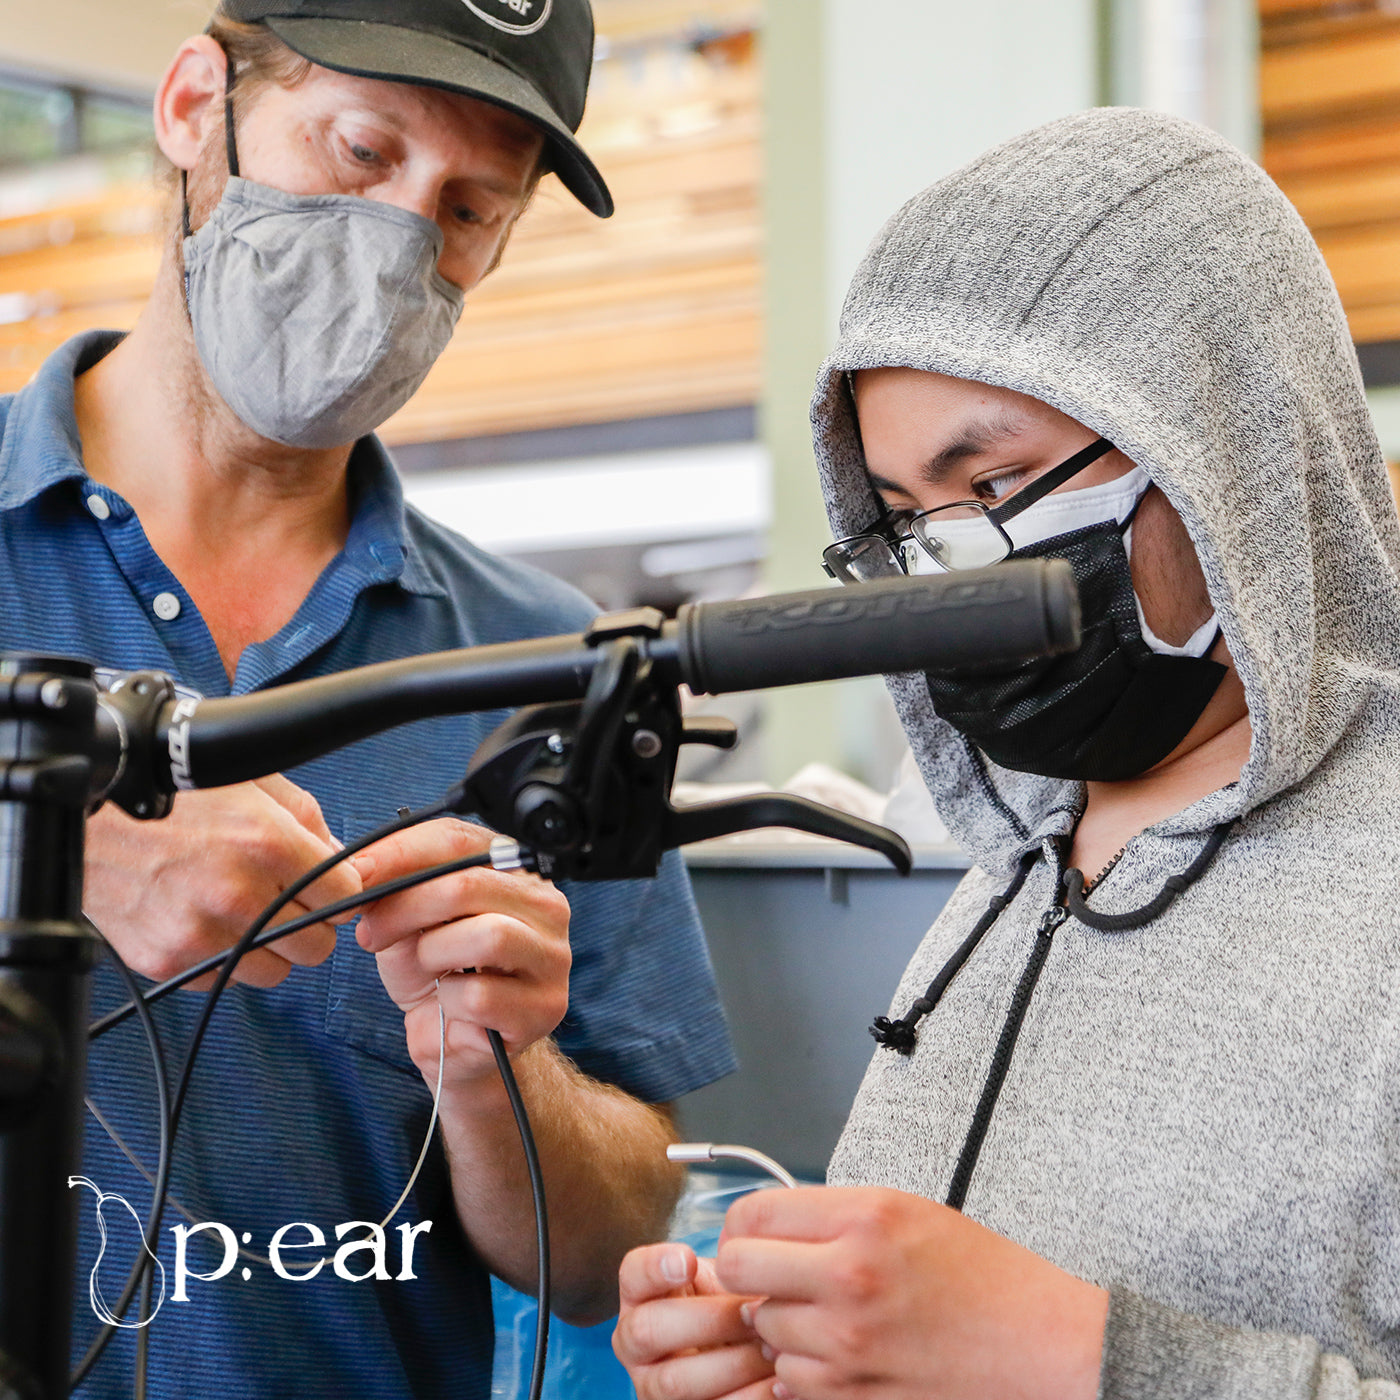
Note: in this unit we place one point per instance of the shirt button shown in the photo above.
(98, 506)
(166, 606)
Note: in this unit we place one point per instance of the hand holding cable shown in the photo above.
(168, 894)
(511, 928)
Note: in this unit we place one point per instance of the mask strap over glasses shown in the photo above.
(1042, 486)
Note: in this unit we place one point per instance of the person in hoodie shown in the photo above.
(1141, 1140)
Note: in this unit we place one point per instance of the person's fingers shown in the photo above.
(812, 1213)
(668, 1325)
(449, 898)
(269, 965)
(520, 1012)
(655, 1271)
(776, 1268)
(493, 943)
(300, 803)
(723, 1373)
(307, 947)
(808, 1379)
(172, 894)
(429, 843)
(260, 968)
(462, 895)
(797, 1328)
(293, 840)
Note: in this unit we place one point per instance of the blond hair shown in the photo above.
(258, 58)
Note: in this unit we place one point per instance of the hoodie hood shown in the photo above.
(1140, 274)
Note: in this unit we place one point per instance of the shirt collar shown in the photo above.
(379, 540)
(41, 447)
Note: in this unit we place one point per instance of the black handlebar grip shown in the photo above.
(1007, 614)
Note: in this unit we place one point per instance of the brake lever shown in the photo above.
(682, 825)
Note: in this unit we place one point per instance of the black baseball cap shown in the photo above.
(532, 57)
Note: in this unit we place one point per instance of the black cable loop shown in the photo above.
(1172, 887)
(902, 1034)
(227, 961)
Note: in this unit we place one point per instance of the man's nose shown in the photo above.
(423, 197)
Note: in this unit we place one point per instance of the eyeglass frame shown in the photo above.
(1014, 504)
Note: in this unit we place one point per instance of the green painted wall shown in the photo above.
(866, 104)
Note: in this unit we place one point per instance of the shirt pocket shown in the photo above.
(359, 1012)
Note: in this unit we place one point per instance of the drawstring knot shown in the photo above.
(900, 1035)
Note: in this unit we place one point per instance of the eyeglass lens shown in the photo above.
(965, 535)
(960, 537)
(863, 559)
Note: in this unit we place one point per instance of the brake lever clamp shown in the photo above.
(586, 784)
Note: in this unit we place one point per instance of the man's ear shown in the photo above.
(189, 105)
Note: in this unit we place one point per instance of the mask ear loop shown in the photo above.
(230, 147)
(230, 141)
(1137, 506)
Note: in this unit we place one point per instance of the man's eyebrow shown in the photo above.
(974, 437)
(491, 181)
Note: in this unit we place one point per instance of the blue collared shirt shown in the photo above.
(305, 1106)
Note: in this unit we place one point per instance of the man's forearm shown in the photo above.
(607, 1180)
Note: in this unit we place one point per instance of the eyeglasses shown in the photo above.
(964, 535)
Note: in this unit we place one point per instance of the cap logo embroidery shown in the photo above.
(521, 17)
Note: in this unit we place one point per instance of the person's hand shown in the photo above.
(167, 894)
(887, 1296)
(681, 1336)
(510, 928)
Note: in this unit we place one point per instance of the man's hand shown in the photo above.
(170, 893)
(511, 928)
(886, 1296)
(681, 1336)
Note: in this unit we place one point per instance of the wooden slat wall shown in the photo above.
(654, 311)
(1329, 88)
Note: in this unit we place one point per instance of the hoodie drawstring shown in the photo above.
(902, 1034)
(1136, 918)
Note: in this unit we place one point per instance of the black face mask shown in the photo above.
(1108, 711)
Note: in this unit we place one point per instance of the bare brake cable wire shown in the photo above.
(257, 936)
(227, 962)
(252, 1255)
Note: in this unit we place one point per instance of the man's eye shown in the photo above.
(465, 215)
(897, 521)
(363, 153)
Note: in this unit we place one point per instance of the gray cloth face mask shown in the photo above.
(316, 316)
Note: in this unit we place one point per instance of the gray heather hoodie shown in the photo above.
(1202, 1114)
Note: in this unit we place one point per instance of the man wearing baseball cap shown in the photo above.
(204, 496)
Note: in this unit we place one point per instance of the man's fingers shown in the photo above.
(520, 1011)
(300, 803)
(463, 895)
(431, 843)
(299, 839)
(260, 968)
(446, 899)
(308, 947)
(797, 1329)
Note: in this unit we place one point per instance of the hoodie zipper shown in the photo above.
(1050, 921)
